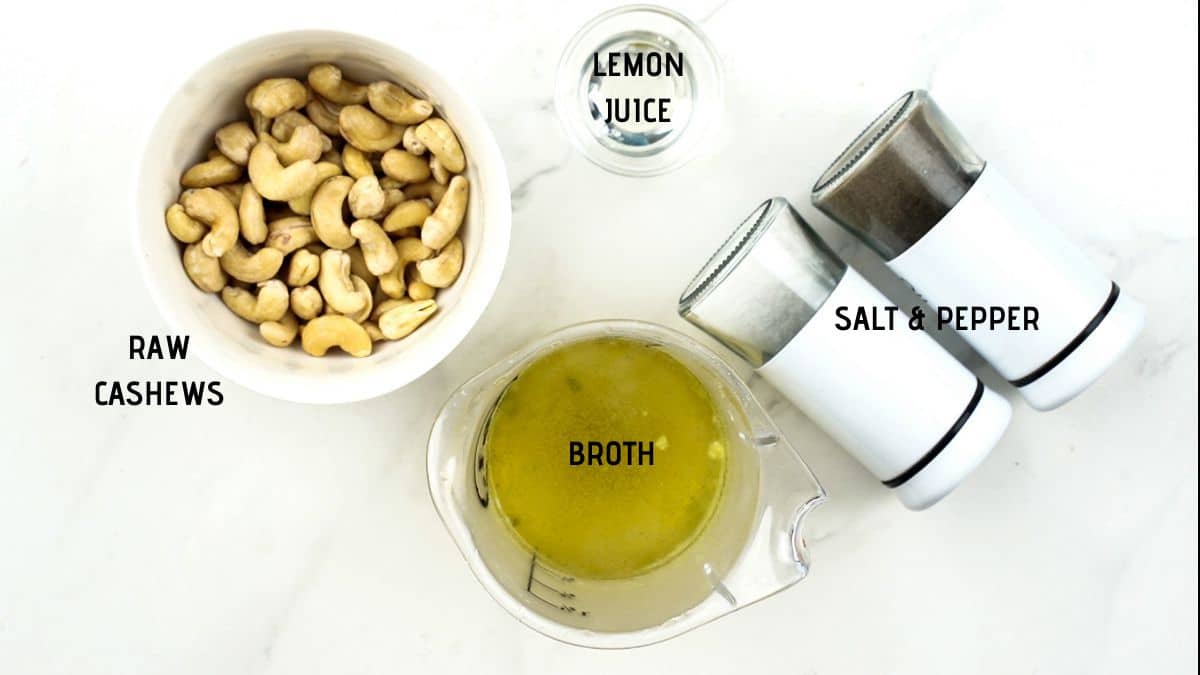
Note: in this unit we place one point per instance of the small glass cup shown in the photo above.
(751, 548)
(639, 53)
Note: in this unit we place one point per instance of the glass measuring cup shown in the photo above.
(752, 546)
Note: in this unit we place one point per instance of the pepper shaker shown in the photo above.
(1019, 292)
(906, 409)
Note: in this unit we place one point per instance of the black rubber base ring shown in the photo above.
(1073, 344)
(941, 444)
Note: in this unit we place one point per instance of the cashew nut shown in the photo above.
(290, 233)
(204, 270)
(285, 125)
(326, 79)
(401, 321)
(307, 302)
(407, 215)
(411, 143)
(275, 182)
(302, 268)
(275, 96)
(332, 330)
(392, 197)
(326, 212)
(324, 114)
(364, 291)
(269, 305)
(214, 171)
(386, 305)
(440, 174)
(437, 135)
(417, 289)
(234, 140)
(441, 270)
(251, 215)
(404, 166)
(358, 265)
(213, 209)
(182, 226)
(356, 162)
(232, 192)
(280, 333)
(430, 188)
(251, 267)
(304, 143)
(366, 197)
(377, 249)
(303, 203)
(367, 131)
(395, 104)
(336, 285)
(372, 329)
(408, 249)
(441, 227)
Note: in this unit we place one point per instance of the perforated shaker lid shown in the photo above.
(764, 284)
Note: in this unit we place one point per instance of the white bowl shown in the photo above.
(184, 132)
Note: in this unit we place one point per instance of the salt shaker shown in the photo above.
(776, 295)
(995, 269)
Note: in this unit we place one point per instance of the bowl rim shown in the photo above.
(485, 275)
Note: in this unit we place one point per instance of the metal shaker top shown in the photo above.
(764, 284)
(902, 174)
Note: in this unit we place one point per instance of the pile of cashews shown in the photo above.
(277, 247)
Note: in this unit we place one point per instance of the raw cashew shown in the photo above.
(280, 333)
(408, 214)
(232, 192)
(364, 291)
(404, 166)
(367, 131)
(304, 143)
(403, 320)
(213, 209)
(251, 216)
(372, 329)
(204, 270)
(302, 268)
(417, 289)
(437, 135)
(408, 249)
(307, 302)
(386, 305)
(277, 95)
(356, 163)
(333, 330)
(324, 114)
(285, 125)
(234, 140)
(392, 197)
(303, 203)
(441, 227)
(441, 270)
(395, 104)
(214, 171)
(411, 142)
(251, 267)
(388, 183)
(269, 305)
(327, 212)
(377, 249)
(366, 197)
(336, 285)
(290, 233)
(275, 182)
(440, 174)
(326, 79)
(430, 188)
(358, 265)
(182, 226)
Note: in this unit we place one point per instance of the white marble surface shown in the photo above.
(268, 537)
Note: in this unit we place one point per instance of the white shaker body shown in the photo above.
(899, 403)
(994, 249)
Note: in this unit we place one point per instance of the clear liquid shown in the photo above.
(639, 137)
